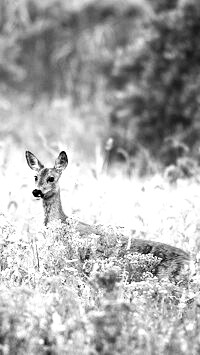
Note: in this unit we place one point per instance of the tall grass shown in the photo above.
(61, 294)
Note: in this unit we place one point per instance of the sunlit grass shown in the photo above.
(72, 299)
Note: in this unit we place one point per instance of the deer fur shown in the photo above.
(47, 189)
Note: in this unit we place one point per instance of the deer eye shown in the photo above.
(50, 179)
(36, 178)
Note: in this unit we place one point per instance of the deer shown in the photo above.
(48, 190)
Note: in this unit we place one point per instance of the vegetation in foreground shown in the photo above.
(62, 294)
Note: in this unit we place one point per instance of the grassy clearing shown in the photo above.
(55, 299)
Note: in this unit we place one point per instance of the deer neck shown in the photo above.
(53, 209)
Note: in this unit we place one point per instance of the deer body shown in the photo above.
(47, 188)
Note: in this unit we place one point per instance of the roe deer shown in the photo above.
(47, 188)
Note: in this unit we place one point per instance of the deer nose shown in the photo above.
(37, 193)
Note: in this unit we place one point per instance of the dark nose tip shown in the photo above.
(37, 193)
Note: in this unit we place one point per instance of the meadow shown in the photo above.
(54, 299)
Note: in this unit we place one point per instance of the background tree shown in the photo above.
(157, 81)
(134, 64)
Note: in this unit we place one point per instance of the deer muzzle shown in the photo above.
(37, 193)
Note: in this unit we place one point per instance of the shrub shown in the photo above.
(156, 82)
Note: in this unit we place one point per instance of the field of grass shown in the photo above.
(54, 299)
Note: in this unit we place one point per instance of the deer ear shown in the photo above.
(61, 162)
(33, 162)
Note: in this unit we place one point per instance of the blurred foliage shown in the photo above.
(157, 83)
(134, 63)
(61, 47)
(163, 5)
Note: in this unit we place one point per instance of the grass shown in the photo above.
(60, 294)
